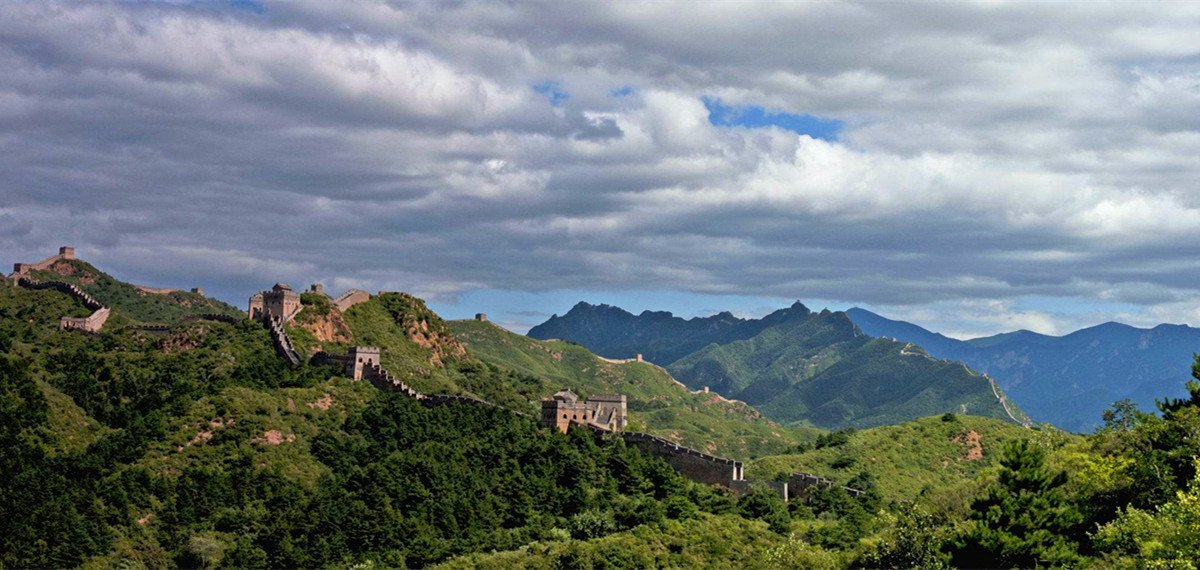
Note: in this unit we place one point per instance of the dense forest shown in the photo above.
(199, 447)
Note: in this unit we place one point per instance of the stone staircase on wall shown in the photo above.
(283, 344)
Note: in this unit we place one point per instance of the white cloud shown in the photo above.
(991, 151)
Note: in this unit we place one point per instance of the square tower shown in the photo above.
(361, 358)
(280, 302)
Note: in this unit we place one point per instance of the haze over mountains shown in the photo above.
(795, 365)
(1068, 380)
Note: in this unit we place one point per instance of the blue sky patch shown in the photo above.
(622, 91)
(250, 5)
(754, 116)
(552, 91)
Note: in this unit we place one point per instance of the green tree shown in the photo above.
(915, 542)
(766, 505)
(1023, 519)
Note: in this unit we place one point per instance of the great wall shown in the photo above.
(274, 308)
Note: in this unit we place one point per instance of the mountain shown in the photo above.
(796, 366)
(659, 336)
(1069, 380)
(658, 403)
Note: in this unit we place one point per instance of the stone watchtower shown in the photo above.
(361, 358)
(280, 302)
(607, 411)
(66, 252)
(481, 317)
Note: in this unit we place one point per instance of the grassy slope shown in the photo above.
(906, 459)
(881, 383)
(70, 429)
(128, 302)
(657, 403)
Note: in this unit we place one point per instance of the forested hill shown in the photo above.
(795, 365)
(659, 336)
(198, 446)
(1069, 380)
(821, 370)
(657, 402)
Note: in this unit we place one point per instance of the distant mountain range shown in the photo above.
(1068, 380)
(795, 365)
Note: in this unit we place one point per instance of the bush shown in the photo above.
(591, 524)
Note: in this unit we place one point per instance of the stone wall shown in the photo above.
(384, 380)
(799, 484)
(351, 298)
(695, 465)
(24, 268)
(283, 344)
(92, 323)
(201, 317)
(155, 291)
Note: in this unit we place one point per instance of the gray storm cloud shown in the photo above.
(990, 151)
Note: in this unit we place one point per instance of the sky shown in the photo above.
(973, 167)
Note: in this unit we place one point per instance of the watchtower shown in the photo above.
(280, 302)
(481, 317)
(606, 411)
(361, 358)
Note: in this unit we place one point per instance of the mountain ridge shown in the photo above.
(778, 363)
(1067, 380)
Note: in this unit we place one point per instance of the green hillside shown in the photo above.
(908, 459)
(199, 447)
(130, 304)
(820, 370)
(657, 403)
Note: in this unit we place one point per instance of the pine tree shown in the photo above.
(1023, 519)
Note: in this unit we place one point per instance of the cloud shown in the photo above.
(984, 153)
